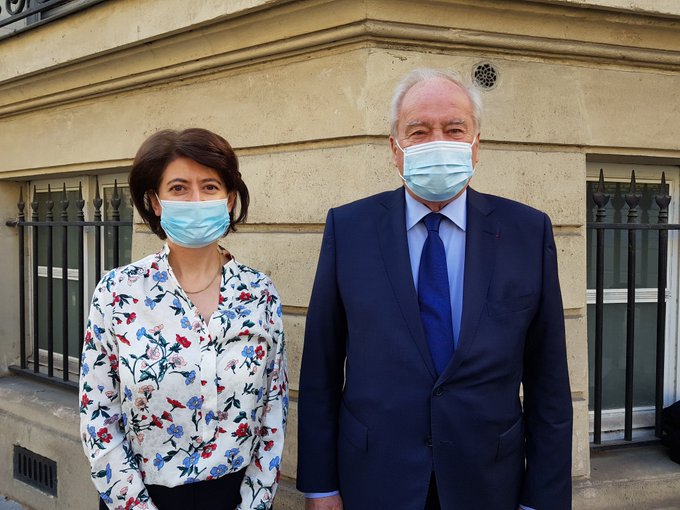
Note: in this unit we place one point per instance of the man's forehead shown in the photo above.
(428, 122)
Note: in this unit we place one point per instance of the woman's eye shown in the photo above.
(177, 188)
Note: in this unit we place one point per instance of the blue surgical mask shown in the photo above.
(437, 171)
(194, 224)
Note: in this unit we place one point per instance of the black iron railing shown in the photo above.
(632, 228)
(34, 359)
(19, 15)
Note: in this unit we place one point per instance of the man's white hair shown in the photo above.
(426, 74)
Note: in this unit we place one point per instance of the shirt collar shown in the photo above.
(455, 211)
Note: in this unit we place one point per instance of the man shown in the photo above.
(421, 329)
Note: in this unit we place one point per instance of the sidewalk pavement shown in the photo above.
(8, 504)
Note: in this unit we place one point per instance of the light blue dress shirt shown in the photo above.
(452, 234)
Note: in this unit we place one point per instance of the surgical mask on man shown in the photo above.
(194, 224)
(437, 171)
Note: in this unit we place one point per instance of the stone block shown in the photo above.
(571, 255)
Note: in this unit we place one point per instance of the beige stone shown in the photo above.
(580, 452)
(295, 186)
(577, 350)
(293, 268)
(571, 254)
(289, 460)
(549, 181)
(294, 327)
(9, 274)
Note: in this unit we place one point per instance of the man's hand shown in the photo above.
(327, 503)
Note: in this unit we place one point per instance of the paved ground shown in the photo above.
(8, 504)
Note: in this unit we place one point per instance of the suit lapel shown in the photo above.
(480, 254)
(394, 249)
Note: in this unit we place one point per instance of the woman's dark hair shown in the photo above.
(199, 145)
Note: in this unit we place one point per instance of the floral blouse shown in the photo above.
(167, 399)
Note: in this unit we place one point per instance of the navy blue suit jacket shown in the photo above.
(375, 420)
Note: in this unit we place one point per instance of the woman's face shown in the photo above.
(185, 179)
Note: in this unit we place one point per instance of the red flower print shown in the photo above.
(245, 296)
(183, 340)
(85, 401)
(131, 318)
(175, 404)
(113, 360)
(258, 464)
(220, 389)
(156, 421)
(268, 445)
(104, 435)
(121, 338)
(135, 300)
(242, 430)
(166, 416)
(259, 352)
(208, 450)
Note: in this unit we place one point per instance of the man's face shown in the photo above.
(433, 110)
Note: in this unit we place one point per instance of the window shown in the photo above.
(617, 179)
(19, 15)
(57, 305)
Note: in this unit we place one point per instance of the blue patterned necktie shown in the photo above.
(433, 295)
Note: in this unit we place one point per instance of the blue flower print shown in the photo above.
(231, 454)
(190, 480)
(91, 430)
(185, 323)
(98, 332)
(141, 332)
(242, 311)
(274, 463)
(150, 303)
(248, 351)
(176, 431)
(108, 473)
(105, 497)
(238, 462)
(124, 419)
(85, 369)
(253, 414)
(209, 417)
(127, 393)
(176, 303)
(255, 285)
(260, 393)
(278, 311)
(230, 314)
(158, 461)
(161, 276)
(190, 377)
(194, 403)
(218, 471)
(191, 460)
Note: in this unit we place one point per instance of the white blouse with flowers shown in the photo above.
(167, 399)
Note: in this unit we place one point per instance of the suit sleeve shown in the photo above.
(322, 374)
(547, 395)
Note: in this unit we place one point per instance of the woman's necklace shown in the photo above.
(212, 280)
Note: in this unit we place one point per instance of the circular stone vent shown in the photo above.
(485, 76)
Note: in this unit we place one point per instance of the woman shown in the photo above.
(183, 384)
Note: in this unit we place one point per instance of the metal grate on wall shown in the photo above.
(35, 470)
